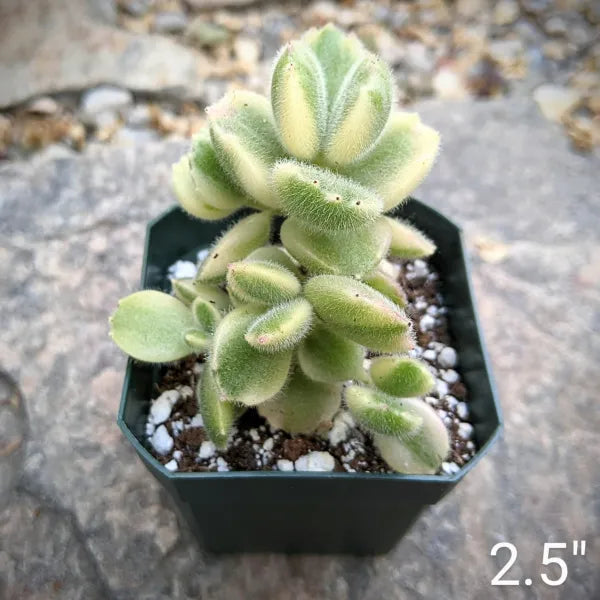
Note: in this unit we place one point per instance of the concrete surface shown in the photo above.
(87, 520)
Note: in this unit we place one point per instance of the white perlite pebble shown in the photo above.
(432, 310)
(431, 400)
(451, 401)
(268, 444)
(182, 269)
(342, 424)
(160, 410)
(315, 461)
(222, 464)
(197, 421)
(186, 391)
(421, 305)
(429, 355)
(171, 465)
(161, 441)
(149, 429)
(465, 431)
(285, 465)
(447, 358)
(441, 387)
(462, 410)
(450, 376)
(177, 454)
(254, 435)
(426, 323)
(207, 449)
(450, 468)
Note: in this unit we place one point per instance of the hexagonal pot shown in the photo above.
(357, 513)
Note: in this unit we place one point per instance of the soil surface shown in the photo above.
(182, 443)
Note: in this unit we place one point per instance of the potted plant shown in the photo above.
(294, 340)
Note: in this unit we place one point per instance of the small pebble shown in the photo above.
(432, 310)
(342, 425)
(450, 376)
(465, 431)
(447, 358)
(285, 465)
(426, 323)
(441, 387)
(160, 410)
(177, 454)
(431, 400)
(197, 421)
(207, 449)
(268, 444)
(420, 305)
(149, 429)
(451, 401)
(182, 269)
(462, 410)
(172, 465)
(315, 461)
(429, 355)
(254, 435)
(222, 464)
(161, 440)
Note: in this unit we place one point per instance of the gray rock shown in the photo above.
(169, 22)
(76, 48)
(71, 235)
(104, 99)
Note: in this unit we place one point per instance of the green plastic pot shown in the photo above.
(355, 513)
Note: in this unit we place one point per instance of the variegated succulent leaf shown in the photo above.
(399, 161)
(235, 244)
(218, 414)
(282, 327)
(359, 312)
(262, 282)
(323, 200)
(351, 253)
(243, 373)
(246, 143)
(401, 376)
(303, 405)
(151, 327)
(299, 99)
(329, 357)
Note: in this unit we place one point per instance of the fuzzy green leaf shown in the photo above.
(407, 241)
(242, 373)
(282, 327)
(339, 252)
(401, 376)
(262, 282)
(187, 290)
(302, 405)
(421, 454)
(360, 110)
(402, 157)
(381, 413)
(299, 99)
(323, 200)
(277, 255)
(337, 53)
(246, 235)
(213, 185)
(190, 199)
(387, 286)
(206, 315)
(246, 143)
(198, 340)
(328, 357)
(218, 414)
(359, 312)
(150, 326)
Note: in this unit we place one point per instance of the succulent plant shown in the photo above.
(287, 327)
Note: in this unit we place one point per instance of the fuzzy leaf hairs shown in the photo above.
(286, 327)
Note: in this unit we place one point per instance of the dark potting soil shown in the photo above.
(255, 446)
